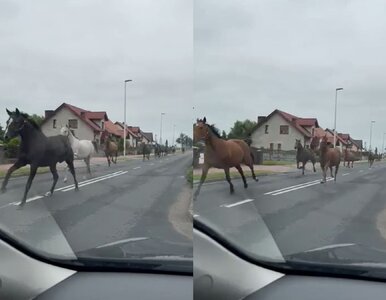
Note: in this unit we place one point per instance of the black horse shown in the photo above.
(37, 150)
(303, 156)
(145, 151)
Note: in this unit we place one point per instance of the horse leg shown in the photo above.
(87, 161)
(336, 171)
(17, 165)
(228, 177)
(32, 174)
(303, 167)
(313, 164)
(56, 177)
(204, 173)
(250, 165)
(238, 167)
(108, 159)
(116, 156)
(70, 164)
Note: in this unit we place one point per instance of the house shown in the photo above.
(85, 124)
(350, 142)
(279, 130)
(141, 136)
(131, 137)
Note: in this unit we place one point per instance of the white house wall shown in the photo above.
(287, 141)
(83, 132)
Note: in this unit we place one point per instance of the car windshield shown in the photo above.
(95, 146)
(289, 132)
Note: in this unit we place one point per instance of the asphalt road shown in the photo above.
(300, 213)
(132, 208)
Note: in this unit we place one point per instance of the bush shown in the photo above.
(11, 148)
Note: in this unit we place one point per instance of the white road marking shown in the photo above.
(237, 203)
(136, 168)
(345, 174)
(122, 242)
(301, 187)
(92, 179)
(360, 171)
(196, 216)
(91, 182)
(293, 186)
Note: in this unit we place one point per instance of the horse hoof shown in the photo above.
(3, 190)
(322, 181)
(245, 186)
(65, 180)
(48, 194)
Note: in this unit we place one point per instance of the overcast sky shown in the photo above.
(80, 52)
(252, 57)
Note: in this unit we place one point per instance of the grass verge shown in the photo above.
(277, 163)
(24, 171)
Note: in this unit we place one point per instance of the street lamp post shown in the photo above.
(160, 135)
(174, 129)
(124, 120)
(371, 134)
(336, 107)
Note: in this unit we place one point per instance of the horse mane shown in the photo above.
(31, 121)
(215, 131)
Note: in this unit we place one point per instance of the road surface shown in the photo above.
(139, 207)
(301, 213)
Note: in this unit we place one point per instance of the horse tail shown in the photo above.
(95, 146)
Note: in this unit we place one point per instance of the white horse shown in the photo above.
(83, 149)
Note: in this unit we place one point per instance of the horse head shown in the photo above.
(15, 124)
(65, 131)
(201, 130)
(298, 144)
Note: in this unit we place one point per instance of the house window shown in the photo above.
(73, 123)
(284, 129)
(279, 147)
(266, 129)
(103, 125)
(54, 123)
(271, 146)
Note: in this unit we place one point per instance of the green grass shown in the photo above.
(233, 174)
(277, 163)
(24, 171)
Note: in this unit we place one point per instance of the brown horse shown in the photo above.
(222, 154)
(329, 157)
(349, 156)
(111, 150)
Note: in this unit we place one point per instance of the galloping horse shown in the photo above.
(371, 159)
(348, 157)
(111, 150)
(145, 151)
(329, 157)
(37, 150)
(222, 154)
(82, 149)
(303, 156)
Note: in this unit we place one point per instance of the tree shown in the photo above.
(1, 133)
(223, 134)
(166, 143)
(38, 119)
(241, 129)
(180, 139)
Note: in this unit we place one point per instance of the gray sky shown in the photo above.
(80, 52)
(251, 57)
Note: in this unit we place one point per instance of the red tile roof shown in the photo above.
(113, 129)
